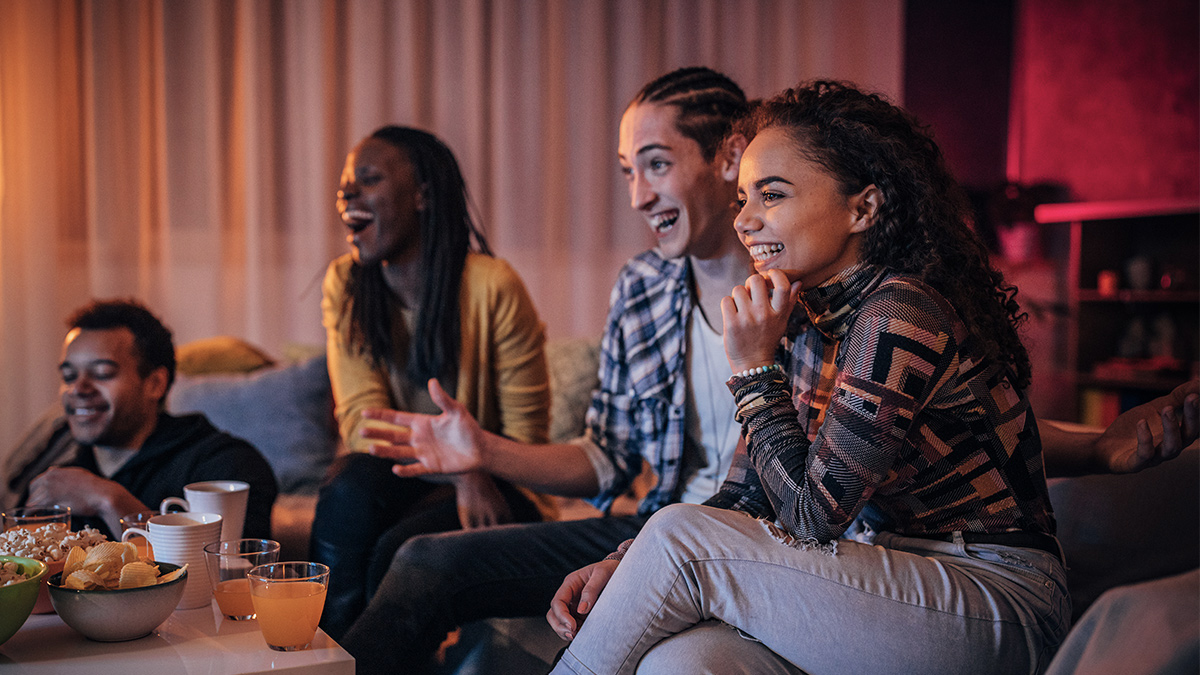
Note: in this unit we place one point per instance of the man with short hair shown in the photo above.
(114, 450)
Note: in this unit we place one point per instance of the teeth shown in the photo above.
(663, 221)
(763, 251)
(84, 411)
(356, 215)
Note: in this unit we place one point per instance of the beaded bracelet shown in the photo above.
(756, 371)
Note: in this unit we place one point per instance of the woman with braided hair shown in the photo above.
(418, 314)
(887, 510)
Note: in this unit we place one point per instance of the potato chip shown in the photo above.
(138, 574)
(111, 565)
(172, 576)
(105, 553)
(75, 558)
(84, 580)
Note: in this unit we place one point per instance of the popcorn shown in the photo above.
(48, 543)
(10, 573)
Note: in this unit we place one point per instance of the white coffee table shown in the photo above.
(193, 641)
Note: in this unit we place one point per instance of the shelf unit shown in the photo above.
(1108, 369)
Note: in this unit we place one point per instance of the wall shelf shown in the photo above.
(1134, 243)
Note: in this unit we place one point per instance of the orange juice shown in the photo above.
(288, 612)
(233, 597)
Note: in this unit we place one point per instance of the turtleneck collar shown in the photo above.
(831, 305)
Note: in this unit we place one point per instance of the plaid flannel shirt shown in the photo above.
(638, 410)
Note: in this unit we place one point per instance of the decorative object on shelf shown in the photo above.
(1108, 282)
(1139, 272)
(1010, 209)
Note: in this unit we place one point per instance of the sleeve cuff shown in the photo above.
(606, 475)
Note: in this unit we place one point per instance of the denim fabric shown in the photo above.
(713, 648)
(888, 604)
(364, 513)
(440, 581)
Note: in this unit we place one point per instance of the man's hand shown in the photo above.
(449, 443)
(576, 597)
(86, 493)
(1130, 443)
(756, 317)
(480, 503)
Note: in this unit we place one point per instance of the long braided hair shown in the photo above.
(922, 227)
(447, 233)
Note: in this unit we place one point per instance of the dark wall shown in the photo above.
(1109, 97)
(957, 66)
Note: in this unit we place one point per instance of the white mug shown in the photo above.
(225, 497)
(180, 538)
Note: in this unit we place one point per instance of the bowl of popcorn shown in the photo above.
(108, 594)
(48, 543)
(19, 582)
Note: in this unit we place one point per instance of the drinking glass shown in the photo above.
(288, 598)
(228, 562)
(139, 520)
(33, 517)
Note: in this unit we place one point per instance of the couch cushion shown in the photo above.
(286, 412)
(573, 365)
(1122, 529)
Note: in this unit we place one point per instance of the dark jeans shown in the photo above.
(440, 581)
(364, 513)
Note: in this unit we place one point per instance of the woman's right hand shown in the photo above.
(756, 317)
(576, 597)
(449, 443)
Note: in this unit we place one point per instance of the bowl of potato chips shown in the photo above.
(20, 579)
(108, 594)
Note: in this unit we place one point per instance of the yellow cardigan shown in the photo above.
(502, 377)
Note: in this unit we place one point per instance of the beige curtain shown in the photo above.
(186, 151)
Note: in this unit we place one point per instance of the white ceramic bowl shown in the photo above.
(117, 615)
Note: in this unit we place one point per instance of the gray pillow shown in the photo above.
(286, 412)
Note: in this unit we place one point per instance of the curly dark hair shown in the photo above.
(922, 228)
(448, 233)
(152, 340)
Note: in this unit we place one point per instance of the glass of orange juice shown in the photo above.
(228, 563)
(288, 598)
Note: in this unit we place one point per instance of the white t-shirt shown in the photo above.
(711, 427)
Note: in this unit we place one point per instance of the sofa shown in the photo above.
(1115, 530)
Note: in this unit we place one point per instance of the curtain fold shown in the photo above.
(187, 153)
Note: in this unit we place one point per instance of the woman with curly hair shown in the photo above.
(891, 465)
(417, 313)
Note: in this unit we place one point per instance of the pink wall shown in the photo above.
(1107, 97)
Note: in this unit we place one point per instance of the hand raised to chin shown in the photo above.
(756, 317)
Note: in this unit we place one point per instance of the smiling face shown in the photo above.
(105, 398)
(379, 200)
(684, 198)
(794, 216)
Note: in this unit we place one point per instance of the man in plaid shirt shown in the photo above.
(682, 174)
(655, 402)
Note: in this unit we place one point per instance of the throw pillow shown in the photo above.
(221, 354)
(286, 412)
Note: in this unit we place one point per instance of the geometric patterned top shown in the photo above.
(886, 401)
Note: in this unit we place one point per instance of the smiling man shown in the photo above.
(113, 449)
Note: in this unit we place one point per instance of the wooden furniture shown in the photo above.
(1133, 295)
